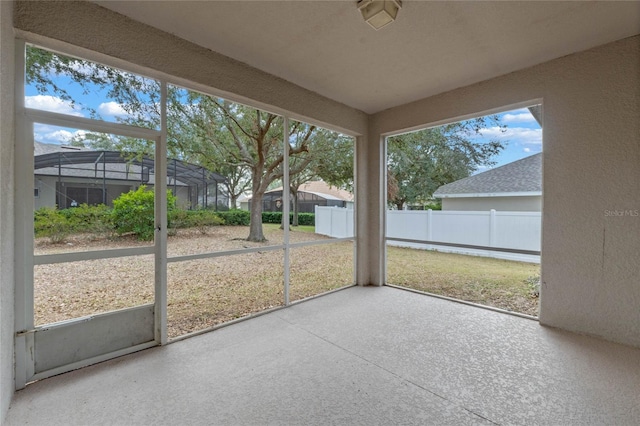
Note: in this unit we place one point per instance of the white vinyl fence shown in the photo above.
(336, 222)
(511, 230)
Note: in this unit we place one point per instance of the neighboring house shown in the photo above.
(310, 194)
(65, 176)
(516, 186)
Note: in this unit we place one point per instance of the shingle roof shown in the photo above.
(518, 177)
(319, 188)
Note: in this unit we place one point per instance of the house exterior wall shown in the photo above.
(591, 179)
(46, 186)
(47, 190)
(7, 281)
(505, 204)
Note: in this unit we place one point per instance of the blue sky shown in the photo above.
(522, 138)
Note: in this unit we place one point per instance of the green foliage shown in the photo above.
(308, 219)
(138, 96)
(431, 205)
(58, 224)
(133, 212)
(92, 219)
(48, 222)
(271, 217)
(200, 219)
(434, 205)
(235, 217)
(533, 284)
(418, 163)
(242, 143)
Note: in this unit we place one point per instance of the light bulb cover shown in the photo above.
(379, 13)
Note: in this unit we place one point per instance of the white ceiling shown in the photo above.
(433, 47)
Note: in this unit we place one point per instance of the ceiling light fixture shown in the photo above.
(379, 13)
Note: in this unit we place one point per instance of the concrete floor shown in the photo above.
(371, 356)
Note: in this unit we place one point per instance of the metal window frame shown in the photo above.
(25, 329)
(25, 261)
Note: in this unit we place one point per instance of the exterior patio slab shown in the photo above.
(363, 355)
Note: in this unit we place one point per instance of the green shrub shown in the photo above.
(179, 219)
(306, 219)
(533, 284)
(276, 217)
(133, 212)
(48, 222)
(435, 205)
(92, 219)
(271, 217)
(200, 219)
(235, 217)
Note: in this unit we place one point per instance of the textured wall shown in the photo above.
(590, 237)
(6, 207)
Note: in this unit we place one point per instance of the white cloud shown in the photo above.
(52, 104)
(61, 135)
(527, 149)
(54, 135)
(522, 117)
(517, 135)
(111, 109)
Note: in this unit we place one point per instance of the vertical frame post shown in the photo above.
(160, 311)
(356, 200)
(285, 205)
(24, 206)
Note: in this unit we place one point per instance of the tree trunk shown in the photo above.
(295, 208)
(283, 220)
(255, 227)
(399, 205)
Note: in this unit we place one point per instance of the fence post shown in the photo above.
(333, 231)
(429, 225)
(492, 228)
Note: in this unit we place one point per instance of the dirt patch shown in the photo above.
(206, 292)
(200, 293)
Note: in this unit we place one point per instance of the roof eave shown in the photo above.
(491, 194)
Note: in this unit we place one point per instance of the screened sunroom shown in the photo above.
(269, 324)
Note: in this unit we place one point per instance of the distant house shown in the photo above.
(65, 176)
(516, 186)
(310, 194)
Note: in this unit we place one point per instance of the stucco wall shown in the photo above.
(590, 244)
(47, 191)
(505, 204)
(6, 207)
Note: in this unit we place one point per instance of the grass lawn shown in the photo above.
(304, 228)
(493, 282)
(207, 292)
